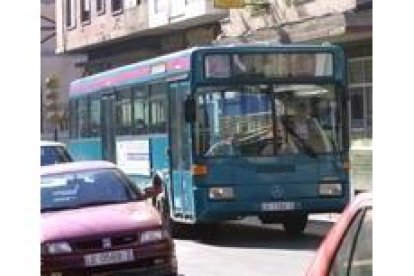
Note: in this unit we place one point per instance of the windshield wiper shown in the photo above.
(306, 148)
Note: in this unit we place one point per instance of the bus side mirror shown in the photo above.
(189, 110)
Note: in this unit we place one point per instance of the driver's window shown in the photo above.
(341, 262)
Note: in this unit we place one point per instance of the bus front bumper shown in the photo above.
(215, 210)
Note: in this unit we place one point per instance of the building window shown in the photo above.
(85, 11)
(156, 6)
(100, 6)
(70, 13)
(360, 91)
(177, 8)
(117, 6)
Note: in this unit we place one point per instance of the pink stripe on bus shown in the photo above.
(181, 63)
(178, 64)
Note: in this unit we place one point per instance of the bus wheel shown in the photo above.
(294, 225)
(164, 209)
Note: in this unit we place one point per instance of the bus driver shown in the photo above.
(306, 128)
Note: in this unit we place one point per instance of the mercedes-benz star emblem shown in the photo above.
(277, 191)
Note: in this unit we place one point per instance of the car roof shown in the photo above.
(51, 144)
(76, 167)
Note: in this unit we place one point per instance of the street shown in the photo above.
(249, 248)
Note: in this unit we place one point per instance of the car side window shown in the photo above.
(341, 262)
(361, 264)
(53, 155)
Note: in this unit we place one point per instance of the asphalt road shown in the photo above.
(248, 248)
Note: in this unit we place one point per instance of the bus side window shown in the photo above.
(73, 129)
(83, 125)
(124, 112)
(95, 117)
(158, 108)
(140, 110)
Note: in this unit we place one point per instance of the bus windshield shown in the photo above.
(267, 120)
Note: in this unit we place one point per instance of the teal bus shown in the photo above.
(227, 132)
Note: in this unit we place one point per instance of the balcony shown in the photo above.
(169, 15)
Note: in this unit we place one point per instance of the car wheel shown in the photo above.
(295, 225)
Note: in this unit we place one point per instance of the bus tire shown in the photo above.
(164, 210)
(295, 225)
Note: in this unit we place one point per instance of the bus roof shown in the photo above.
(167, 65)
(128, 74)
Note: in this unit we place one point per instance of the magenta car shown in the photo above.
(95, 221)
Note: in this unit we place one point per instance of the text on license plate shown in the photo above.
(110, 257)
(278, 206)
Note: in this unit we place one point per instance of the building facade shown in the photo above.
(61, 66)
(118, 32)
(344, 22)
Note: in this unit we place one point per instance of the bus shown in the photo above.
(228, 132)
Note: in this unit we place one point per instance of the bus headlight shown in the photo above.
(330, 189)
(218, 193)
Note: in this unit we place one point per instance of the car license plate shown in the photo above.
(278, 206)
(110, 257)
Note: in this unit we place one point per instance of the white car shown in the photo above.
(53, 153)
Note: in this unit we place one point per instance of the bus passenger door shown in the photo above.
(180, 151)
(108, 127)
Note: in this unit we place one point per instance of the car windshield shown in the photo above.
(267, 120)
(53, 155)
(86, 188)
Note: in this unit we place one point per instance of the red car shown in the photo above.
(95, 221)
(347, 249)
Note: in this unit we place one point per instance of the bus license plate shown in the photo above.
(278, 206)
(111, 257)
